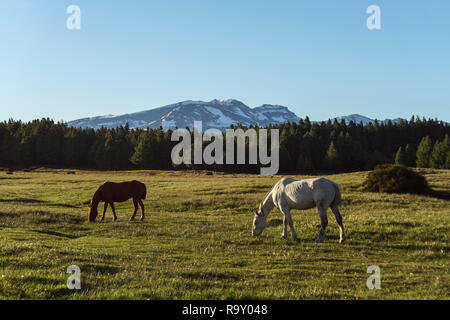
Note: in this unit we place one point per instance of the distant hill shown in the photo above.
(218, 114)
(356, 118)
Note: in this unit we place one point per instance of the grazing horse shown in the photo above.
(290, 194)
(111, 192)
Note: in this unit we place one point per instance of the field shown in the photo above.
(196, 240)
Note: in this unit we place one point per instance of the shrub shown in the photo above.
(393, 178)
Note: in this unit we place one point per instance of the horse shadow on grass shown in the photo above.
(370, 236)
(274, 222)
(40, 217)
(210, 276)
(58, 234)
(24, 200)
(36, 201)
(98, 268)
(440, 194)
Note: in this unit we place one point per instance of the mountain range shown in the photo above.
(218, 114)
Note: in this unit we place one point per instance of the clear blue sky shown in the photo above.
(316, 57)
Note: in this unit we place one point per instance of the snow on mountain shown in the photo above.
(356, 118)
(218, 114)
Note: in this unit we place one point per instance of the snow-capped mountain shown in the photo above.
(356, 118)
(218, 114)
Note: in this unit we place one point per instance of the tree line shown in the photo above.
(428, 155)
(305, 147)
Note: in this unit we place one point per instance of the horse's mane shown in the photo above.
(265, 197)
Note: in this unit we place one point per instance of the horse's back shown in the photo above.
(123, 191)
(305, 185)
(306, 193)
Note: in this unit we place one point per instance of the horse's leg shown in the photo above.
(104, 211)
(338, 217)
(142, 209)
(288, 219)
(135, 202)
(323, 221)
(113, 210)
(285, 224)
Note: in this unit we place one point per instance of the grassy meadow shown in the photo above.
(196, 240)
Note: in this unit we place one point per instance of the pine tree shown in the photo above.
(332, 157)
(143, 156)
(400, 157)
(424, 153)
(446, 144)
(124, 148)
(285, 159)
(447, 161)
(410, 154)
(304, 164)
(97, 154)
(438, 155)
(70, 149)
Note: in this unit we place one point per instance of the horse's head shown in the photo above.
(259, 222)
(92, 213)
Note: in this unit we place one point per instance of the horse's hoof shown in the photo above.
(319, 240)
(342, 241)
(131, 219)
(283, 236)
(296, 239)
(142, 218)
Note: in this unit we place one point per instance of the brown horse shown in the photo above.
(111, 192)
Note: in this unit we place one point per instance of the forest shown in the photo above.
(305, 147)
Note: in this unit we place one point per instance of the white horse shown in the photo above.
(290, 194)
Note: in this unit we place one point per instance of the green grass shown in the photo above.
(196, 240)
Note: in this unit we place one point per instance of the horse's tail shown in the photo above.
(144, 194)
(337, 196)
